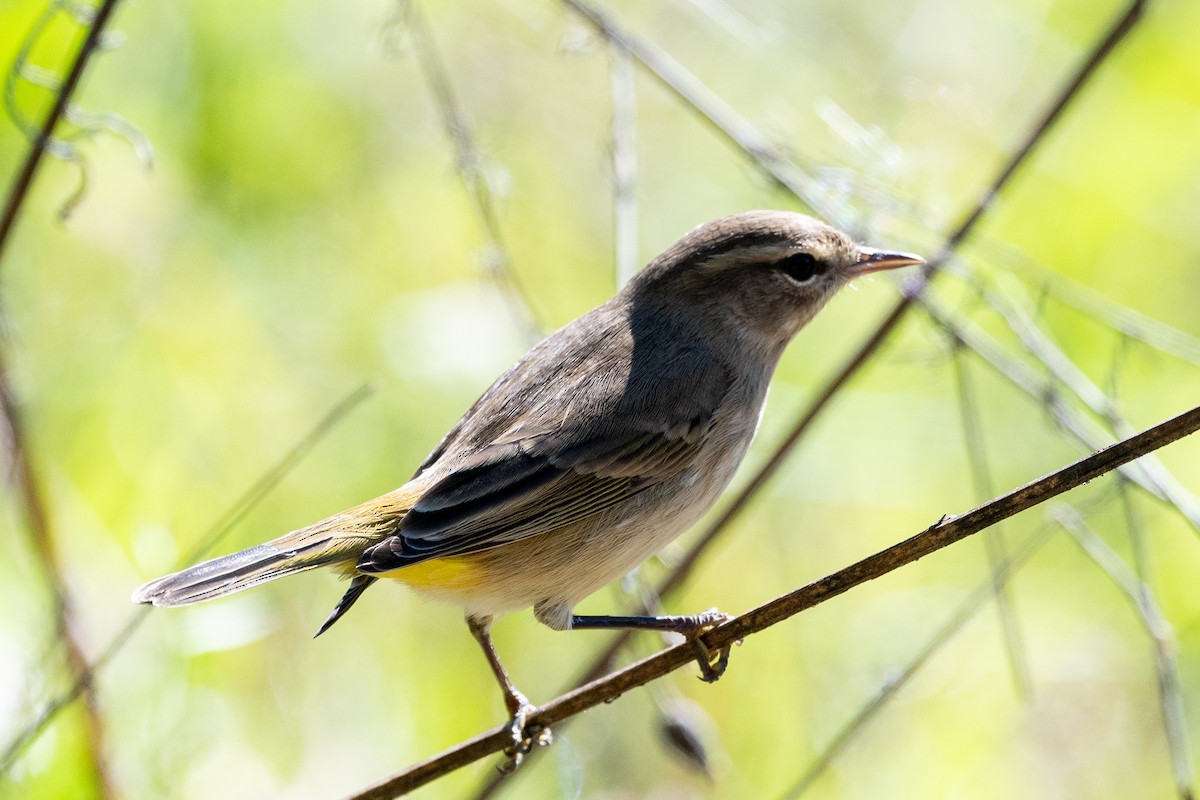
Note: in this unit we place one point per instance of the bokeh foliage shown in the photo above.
(304, 229)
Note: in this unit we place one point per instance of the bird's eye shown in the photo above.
(801, 267)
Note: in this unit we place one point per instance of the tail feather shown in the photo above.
(357, 587)
(337, 541)
(231, 573)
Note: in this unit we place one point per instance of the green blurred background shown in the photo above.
(304, 229)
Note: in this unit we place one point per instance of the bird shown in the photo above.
(601, 445)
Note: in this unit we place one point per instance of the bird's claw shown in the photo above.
(525, 737)
(712, 666)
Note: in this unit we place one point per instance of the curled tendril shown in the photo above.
(86, 124)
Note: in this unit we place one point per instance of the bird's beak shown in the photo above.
(872, 260)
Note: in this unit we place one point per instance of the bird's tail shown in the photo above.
(336, 541)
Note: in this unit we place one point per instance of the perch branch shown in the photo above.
(898, 679)
(943, 533)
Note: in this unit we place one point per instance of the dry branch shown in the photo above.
(1166, 666)
(30, 490)
(472, 170)
(945, 532)
(244, 505)
(899, 678)
(41, 537)
(994, 544)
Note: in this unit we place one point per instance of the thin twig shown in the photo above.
(1159, 630)
(1000, 577)
(42, 538)
(224, 524)
(716, 112)
(497, 262)
(41, 534)
(939, 535)
(23, 70)
(1147, 474)
(993, 541)
(1063, 370)
(1170, 695)
(624, 164)
(19, 190)
(1091, 303)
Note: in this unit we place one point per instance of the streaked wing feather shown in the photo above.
(524, 501)
(510, 476)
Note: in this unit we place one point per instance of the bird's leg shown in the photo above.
(691, 626)
(516, 703)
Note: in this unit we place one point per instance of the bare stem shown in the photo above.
(994, 543)
(624, 164)
(1001, 575)
(42, 538)
(717, 113)
(1159, 630)
(942, 534)
(471, 169)
(224, 524)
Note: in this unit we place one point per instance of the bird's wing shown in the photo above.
(554, 469)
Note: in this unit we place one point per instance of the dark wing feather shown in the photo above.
(574, 429)
(469, 511)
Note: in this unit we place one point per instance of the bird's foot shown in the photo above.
(525, 737)
(712, 665)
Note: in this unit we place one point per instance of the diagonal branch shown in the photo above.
(1163, 641)
(943, 533)
(41, 536)
(994, 544)
(717, 113)
(898, 679)
(471, 169)
(1082, 299)
(1150, 474)
(224, 524)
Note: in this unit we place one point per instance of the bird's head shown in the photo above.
(767, 272)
